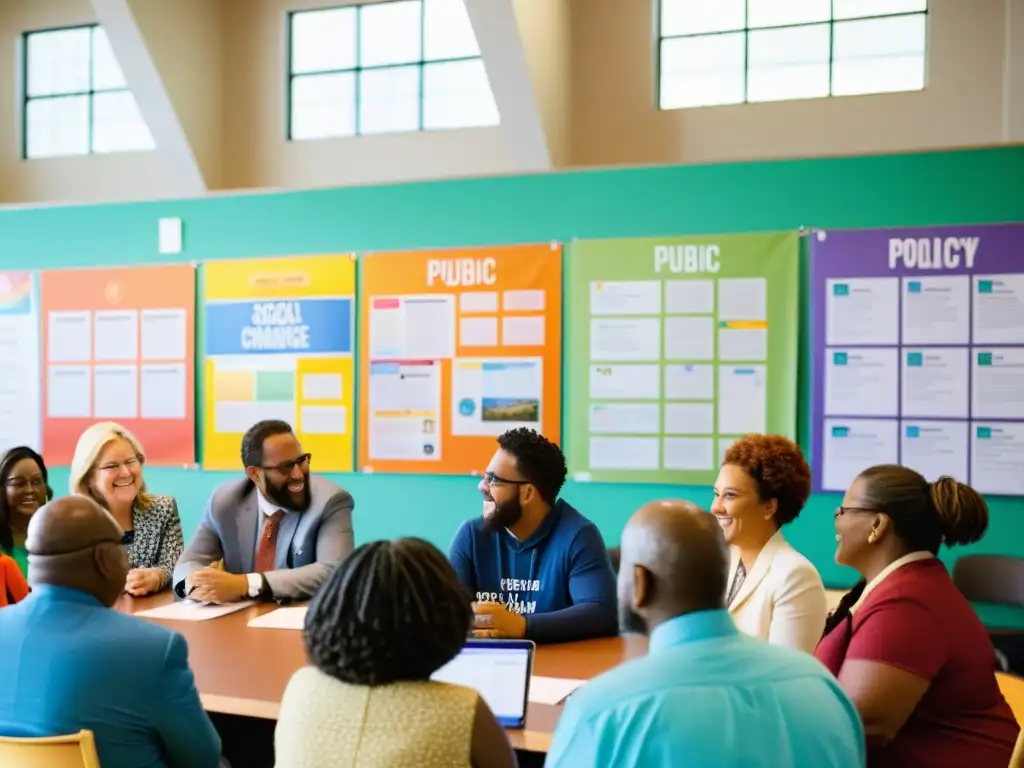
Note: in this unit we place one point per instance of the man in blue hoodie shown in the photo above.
(537, 568)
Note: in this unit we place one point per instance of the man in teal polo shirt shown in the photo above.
(705, 695)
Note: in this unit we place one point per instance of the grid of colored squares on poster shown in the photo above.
(457, 347)
(919, 354)
(677, 346)
(279, 345)
(674, 346)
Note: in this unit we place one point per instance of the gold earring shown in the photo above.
(872, 537)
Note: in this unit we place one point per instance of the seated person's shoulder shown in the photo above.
(324, 491)
(162, 504)
(574, 522)
(232, 489)
(796, 568)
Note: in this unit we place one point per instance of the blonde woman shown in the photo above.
(107, 467)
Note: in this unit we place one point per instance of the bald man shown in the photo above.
(705, 695)
(68, 662)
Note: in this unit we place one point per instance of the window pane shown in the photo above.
(853, 9)
(702, 71)
(58, 62)
(389, 100)
(691, 17)
(788, 63)
(776, 13)
(117, 125)
(457, 94)
(55, 127)
(323, 40)
(323, 106)
(106, 72)
(447, 30)
(879, 55)
(389, 33)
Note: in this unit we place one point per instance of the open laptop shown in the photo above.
(500, 672)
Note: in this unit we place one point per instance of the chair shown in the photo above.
(1012, 688)
(1017, 758)
(614, 553)
(990, 578)
(77, 750)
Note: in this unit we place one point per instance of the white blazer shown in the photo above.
(782, 599)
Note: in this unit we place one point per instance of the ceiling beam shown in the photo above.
(504, 54)
(128, 41)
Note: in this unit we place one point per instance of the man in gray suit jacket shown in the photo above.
(274, 534)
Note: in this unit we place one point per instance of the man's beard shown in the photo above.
(631, 622)
(505, 515)
(281, 496)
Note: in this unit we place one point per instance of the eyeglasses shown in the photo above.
(492, 479)
(20, 483)
(843, 510)
(113, 466)
(286, 467)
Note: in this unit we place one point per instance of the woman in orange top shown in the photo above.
(13, 587)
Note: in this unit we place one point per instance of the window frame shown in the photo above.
(90, 94)
(421, 64)
(746, 29)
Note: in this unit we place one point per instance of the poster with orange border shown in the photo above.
(119, 345)
(456, 347)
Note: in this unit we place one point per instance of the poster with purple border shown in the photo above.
(918, 347)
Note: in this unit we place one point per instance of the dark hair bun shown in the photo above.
(963, 513)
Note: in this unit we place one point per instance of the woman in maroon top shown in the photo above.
(904, 643)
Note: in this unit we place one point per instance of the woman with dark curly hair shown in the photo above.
(774, 591)
(387, 618)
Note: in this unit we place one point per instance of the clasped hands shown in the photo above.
(493, 620)
(215, 585)
(144, 581)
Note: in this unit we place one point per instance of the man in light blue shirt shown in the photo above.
(705, 695)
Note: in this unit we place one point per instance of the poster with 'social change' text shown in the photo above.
(919, 354)
(279, 342)
(676, 347)
(457, 346)
(118, 344)
(20, 374)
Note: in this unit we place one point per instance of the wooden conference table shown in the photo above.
(241, 670)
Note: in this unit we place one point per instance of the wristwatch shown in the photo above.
(255, 584)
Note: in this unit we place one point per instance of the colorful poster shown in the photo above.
(119, 344)
(279, 336)
(20, 373)
(919, 354)
(456, 348)
(677, 346)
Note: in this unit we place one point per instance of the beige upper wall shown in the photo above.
(590, 65)
(962, 104)
(134, 175)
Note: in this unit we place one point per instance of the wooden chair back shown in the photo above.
(76, 750)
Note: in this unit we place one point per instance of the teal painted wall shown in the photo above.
(968, 187)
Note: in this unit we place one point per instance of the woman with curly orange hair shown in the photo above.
(774, 591)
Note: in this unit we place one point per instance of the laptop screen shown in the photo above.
(499, 670)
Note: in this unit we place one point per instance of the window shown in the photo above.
(411, 65)
(77, 101)
(734, 51)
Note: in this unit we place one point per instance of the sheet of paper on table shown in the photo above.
(189, 610)
(552, 690)
(282, 618)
